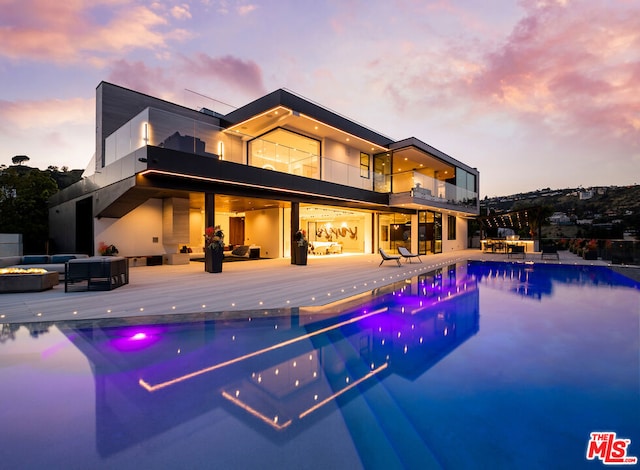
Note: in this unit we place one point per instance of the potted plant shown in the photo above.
(213, 249)
(300, 248)
(591, 250)
(107, 250)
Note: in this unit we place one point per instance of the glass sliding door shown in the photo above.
(437, 232)
(395, 231)
(334, 230)
(422, 232)
(429, 232)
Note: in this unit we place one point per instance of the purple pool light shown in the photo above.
(135, 339)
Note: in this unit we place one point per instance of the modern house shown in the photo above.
(163, 172)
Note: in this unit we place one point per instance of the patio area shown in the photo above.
(251, 285)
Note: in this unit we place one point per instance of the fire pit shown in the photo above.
(26, 280)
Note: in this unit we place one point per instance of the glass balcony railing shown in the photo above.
(164, 129)
(343, 173)
(428, 188)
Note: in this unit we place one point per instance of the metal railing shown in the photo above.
(169, 130)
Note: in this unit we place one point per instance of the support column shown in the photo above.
(209, 209)
(295, 225)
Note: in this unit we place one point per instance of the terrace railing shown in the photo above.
(169, 130)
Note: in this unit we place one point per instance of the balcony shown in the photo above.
(416, 190)
(162, 129)
(154, 127)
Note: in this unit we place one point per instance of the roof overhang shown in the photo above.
(285, 109)
(421, 148)
(168, 176)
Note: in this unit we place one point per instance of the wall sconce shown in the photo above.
(146, 134)
(221, 150)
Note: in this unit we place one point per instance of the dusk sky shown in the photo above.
(535, 94)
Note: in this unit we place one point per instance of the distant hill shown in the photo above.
(597, 209)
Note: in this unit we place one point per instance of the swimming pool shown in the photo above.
(480, 364)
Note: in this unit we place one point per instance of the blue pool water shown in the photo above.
(478, 365)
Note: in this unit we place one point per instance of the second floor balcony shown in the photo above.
(154, 127)
(415, 189)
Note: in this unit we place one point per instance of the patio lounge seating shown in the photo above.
(97, 273)
(406, 254)
(240, 251)
(386, 257)
(549, 250)
(48, 262)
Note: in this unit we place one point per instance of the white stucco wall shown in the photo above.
(196, 230)
(263, 228)
(460, 243)
(133, 234)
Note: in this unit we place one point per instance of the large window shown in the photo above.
(395, 231)
(382, 173)
(365, 164)
(286, 151)
(333, 230)
(465, 186)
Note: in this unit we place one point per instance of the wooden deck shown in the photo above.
(243, 285)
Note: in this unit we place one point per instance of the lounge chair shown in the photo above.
(406, 254)
(386, 257)
(550, 250)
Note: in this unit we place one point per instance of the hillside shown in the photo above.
(599, 211)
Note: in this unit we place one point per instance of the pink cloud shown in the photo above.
(236, 73)
(73, 30)
(567, 67)
(138, 76)
(246, 9)
(181, 12)
(573, 65)
(45, 114)
(58, 132)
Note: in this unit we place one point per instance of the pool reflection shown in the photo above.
(277, 371)
(398, 376)
(522, 279)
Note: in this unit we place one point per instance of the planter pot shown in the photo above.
(590, 254)
(299, 255)
(213, 260)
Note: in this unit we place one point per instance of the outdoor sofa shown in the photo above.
(48, 262)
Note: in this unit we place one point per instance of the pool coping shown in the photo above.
(270, 284)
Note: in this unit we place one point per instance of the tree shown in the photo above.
(24, 195)
(20, 159)
(538, 216)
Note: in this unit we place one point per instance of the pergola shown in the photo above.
(516, 220)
